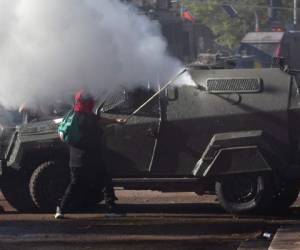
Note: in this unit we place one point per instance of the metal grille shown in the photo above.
(112, 100)
(47, 127)
(234, 85)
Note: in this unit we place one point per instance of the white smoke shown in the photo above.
(50, 47)
(185, 79)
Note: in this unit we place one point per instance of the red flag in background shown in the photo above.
(186, 14)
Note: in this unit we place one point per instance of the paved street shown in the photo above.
(153, 221)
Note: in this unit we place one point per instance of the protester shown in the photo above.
(86, 161)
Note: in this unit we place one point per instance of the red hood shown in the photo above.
(83, 102)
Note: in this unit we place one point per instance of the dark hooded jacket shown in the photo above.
(89, 148)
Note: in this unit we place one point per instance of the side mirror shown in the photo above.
(172, 93)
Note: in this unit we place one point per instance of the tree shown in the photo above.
(229, 30)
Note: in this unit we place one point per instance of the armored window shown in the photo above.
(128, 101)
(233, 85)
(110, 101)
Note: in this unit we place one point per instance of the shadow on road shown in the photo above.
(186, 208)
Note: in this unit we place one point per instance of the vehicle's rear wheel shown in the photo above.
(244, 193)
(48, 184)
(15, 189)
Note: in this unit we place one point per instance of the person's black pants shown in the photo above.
(81, 181)
(74, 193)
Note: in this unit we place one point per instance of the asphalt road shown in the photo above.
(153, 221)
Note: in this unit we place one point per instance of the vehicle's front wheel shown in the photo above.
(245, 193)
(48, 184)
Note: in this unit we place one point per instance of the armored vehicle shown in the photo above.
(265, 46)
(234, 133)
(185, 39)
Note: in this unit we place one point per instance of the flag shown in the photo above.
(185, 14)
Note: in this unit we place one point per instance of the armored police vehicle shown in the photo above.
(234, 133)
(263, 47)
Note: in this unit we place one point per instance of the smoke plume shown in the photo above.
(51, 47)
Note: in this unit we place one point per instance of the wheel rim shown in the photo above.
(240, 190)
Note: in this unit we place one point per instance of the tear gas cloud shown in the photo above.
(51, 47)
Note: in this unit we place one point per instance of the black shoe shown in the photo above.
(114, 210)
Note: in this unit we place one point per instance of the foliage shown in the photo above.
(230, 30)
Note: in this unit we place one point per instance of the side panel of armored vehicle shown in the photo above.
(233, 133)
(221, 107)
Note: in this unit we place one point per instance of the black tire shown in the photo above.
(287, 195)
(245, 193)
(48, 184)
(15, 189)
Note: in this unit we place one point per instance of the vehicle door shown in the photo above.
(131, 146)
